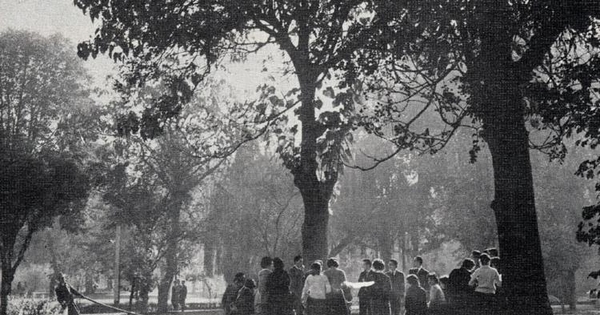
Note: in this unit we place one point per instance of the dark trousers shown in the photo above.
(485, 303)
(297, 305)
(364, 306)
(396, 304)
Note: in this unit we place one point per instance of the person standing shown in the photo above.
(459, 290)
(315, 291)
(182, 295)
(437, 300)
(485, 279)
(278, 289)
(398, 287)
(336, 276)
(175, 290)
(380, 290)
(420, 272)
(297, 282)
(261, 296)
(415, 301)
(364, 297)
(244, 303)
(65, 295)
(231, 292)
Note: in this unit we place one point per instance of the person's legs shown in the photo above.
(395, 305)
(363, 307)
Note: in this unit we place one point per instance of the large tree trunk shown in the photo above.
(500, 105)
(514, 208)
(316, 192)
(314, 229)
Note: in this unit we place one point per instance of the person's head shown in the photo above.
(493, 252)
(298, 261)
(393, 264)
(316, 268)
(332, 263)
(278, 263)
(432, 279)
(266, 262)
(176, 282)
(249, 283)
(475, 254)
(484, 259)
(366, 264)
(495, 262)
(418, 262)
(468, 264)
(61, 277)
(239, 279)
(412, 280)
(182, 282)
(378, 265)
(444, 282)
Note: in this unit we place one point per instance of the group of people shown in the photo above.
(324, 290)
(178, 295)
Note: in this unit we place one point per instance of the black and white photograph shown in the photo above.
(299, 157)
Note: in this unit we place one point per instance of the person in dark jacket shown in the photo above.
(182, 295)
(231, 292)
(244, 303)
(398, 286)
(459, 291)
(336, 277)
(380, 290)
(415, 301)
(278, 289)
(175, 294)
(364, 297)
(65, 294)
(420, 272)
(297, 283)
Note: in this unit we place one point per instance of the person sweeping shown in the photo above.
(65, 294)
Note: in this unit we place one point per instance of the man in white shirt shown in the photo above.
(485, 279)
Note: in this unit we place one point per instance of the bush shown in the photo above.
(32, 307)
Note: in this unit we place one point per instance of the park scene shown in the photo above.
(299, 157)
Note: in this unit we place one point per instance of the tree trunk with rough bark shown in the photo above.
(500, 106)
(316, 192)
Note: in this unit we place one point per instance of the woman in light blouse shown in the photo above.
(314, 292)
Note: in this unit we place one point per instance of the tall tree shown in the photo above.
(486, 54)
(41, 81)
(315, 36)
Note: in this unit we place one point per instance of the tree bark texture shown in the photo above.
(499, 103)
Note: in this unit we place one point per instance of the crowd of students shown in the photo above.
(324, 290)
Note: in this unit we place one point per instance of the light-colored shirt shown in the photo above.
(436, 296)
(486, 278)
(315, 287)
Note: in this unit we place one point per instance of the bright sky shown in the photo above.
(49, 17)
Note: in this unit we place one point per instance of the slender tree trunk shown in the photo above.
(571, 290)
(171, 260)
(209, 258)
